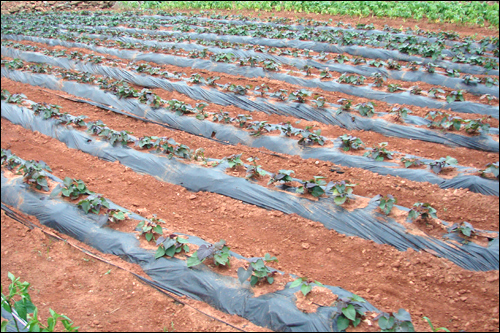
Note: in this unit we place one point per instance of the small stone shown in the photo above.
(305, 246)
(192, 197)
(328, 250)
(491, 278)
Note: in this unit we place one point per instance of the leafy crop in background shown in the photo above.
(219, 251)
(73, 188)
(257, 271)
(423, 210)
(305, 284)
(309, 138)
(345, 105)
(46, 110)
(34, 175)
(455, 96)
(170, 245)
(316, 186)
(299, 95)
(379, 79)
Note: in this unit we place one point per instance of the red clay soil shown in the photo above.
(419, 282)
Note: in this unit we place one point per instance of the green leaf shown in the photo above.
(160, 252)
(342, 323)
(349, 312)
(253, 280)
(305, 288)
(149, 236)
(85, 206)
(172, 250)
(317, 191)
(339, 200)
(270, 279)
(193, 260)
(296, 283)
(158, 229)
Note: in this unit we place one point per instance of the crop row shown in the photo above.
(314, 186)
(312, 68)
(405, 45)
(170, 244)
(468, 46)
(458, 105)
(256, 126)
(170, 147)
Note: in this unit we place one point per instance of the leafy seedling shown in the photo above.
(423, 210)
(73, 188)
(366, 109)
(282, 176)
(218, 251)
(258, 271)
(379, 153)
(234, 160)
(387, 203)
(397, 322)
(316, 186)
(410, 161)
(94, 203)
(254, 170)
(465, 228)
(305, 284)
(349, 311)
(34, 175)
(150, 227)
(443, 162)
(350, 142)
(491, 168)
(116, 215)
(341, 191)
(170, 245)
(400, 112)
(437, 329)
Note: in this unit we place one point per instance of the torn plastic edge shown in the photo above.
(250, 72)
(364, 223)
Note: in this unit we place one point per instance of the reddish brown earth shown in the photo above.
(419, 282)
